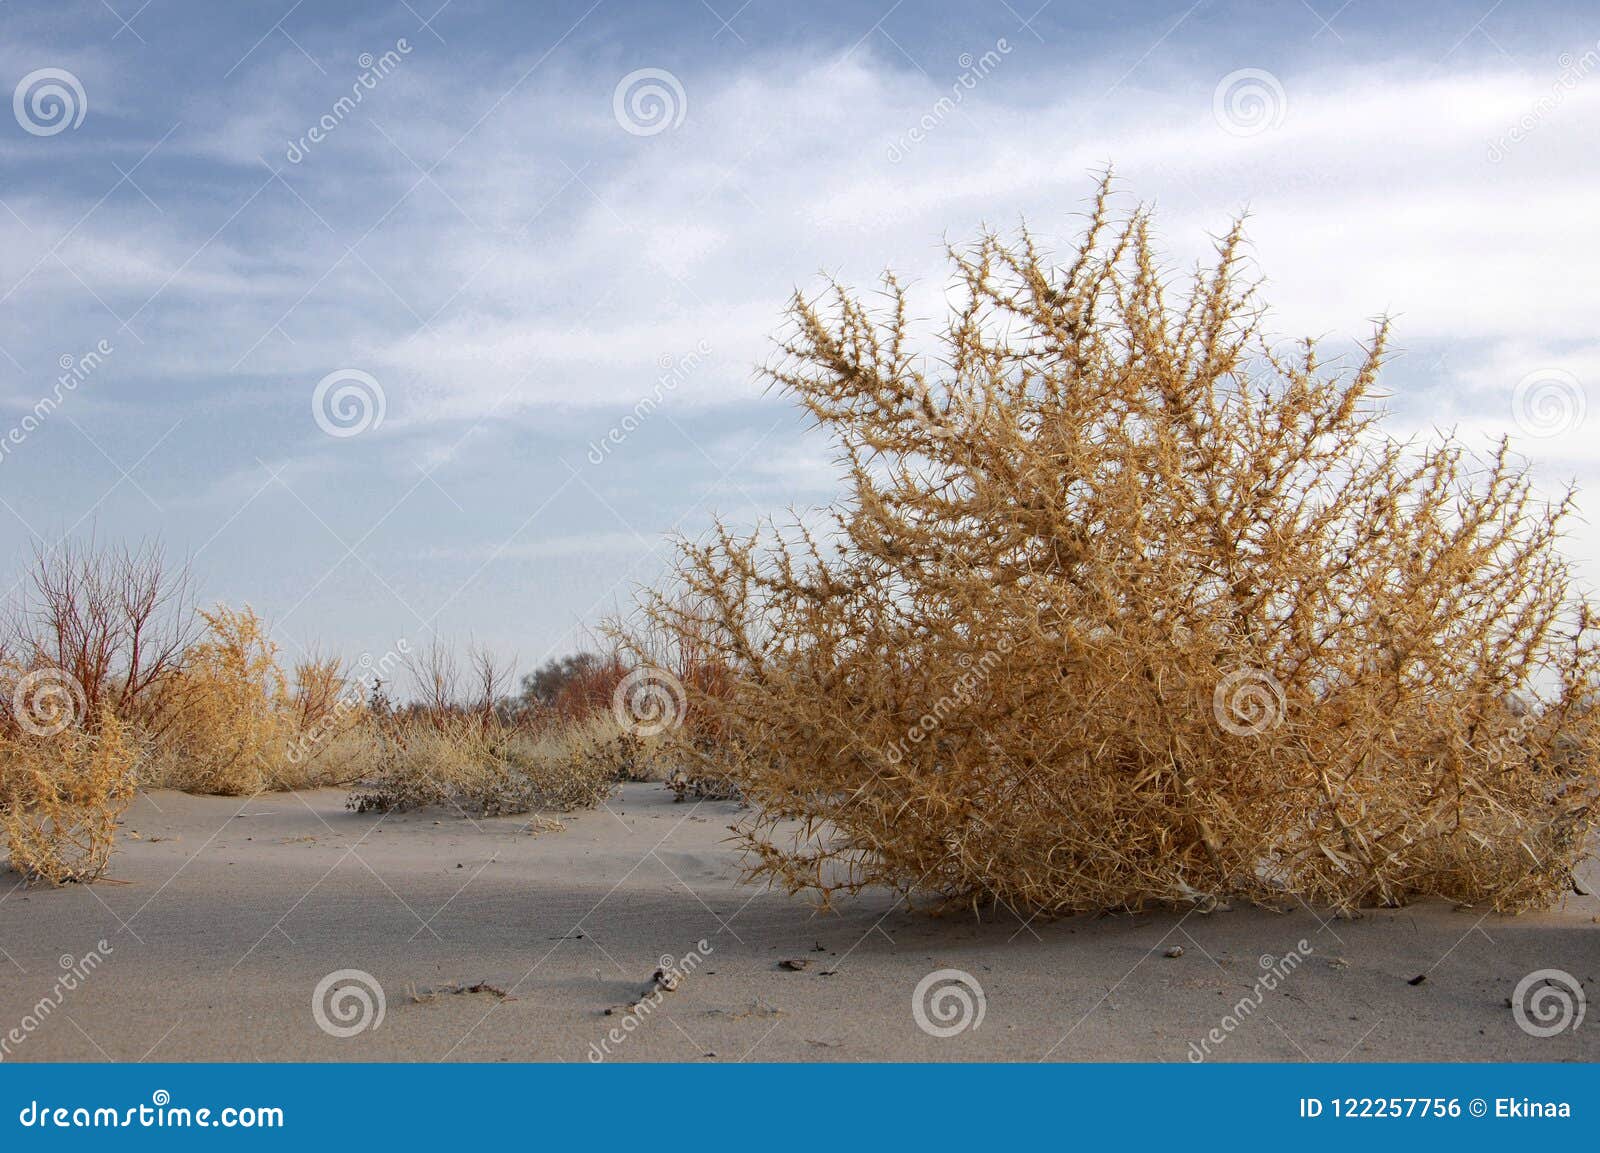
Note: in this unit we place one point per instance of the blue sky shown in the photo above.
(513, 255)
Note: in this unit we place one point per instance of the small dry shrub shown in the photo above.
(1124, 605)
(230, 717)
(85, 649)
(61, 795)
(418, 763)
(486, 768)
(707, 773)
(602, 748)
(573, 766)
(321, 696)
(233, 721)
(337, 754)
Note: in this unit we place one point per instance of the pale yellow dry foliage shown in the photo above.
(233, 724)
(481, 767)
(60, 798)
(1124, 605)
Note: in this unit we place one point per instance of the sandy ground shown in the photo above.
(225, 914)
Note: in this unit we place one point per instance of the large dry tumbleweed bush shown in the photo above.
(1126, 606)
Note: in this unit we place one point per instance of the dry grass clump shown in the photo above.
(602, 746)
(487, 768)
(1125, 606)
(60, 796)
(576, 765)
(461, 742)
(563, 744)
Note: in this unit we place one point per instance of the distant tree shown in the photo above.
(545, 684)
